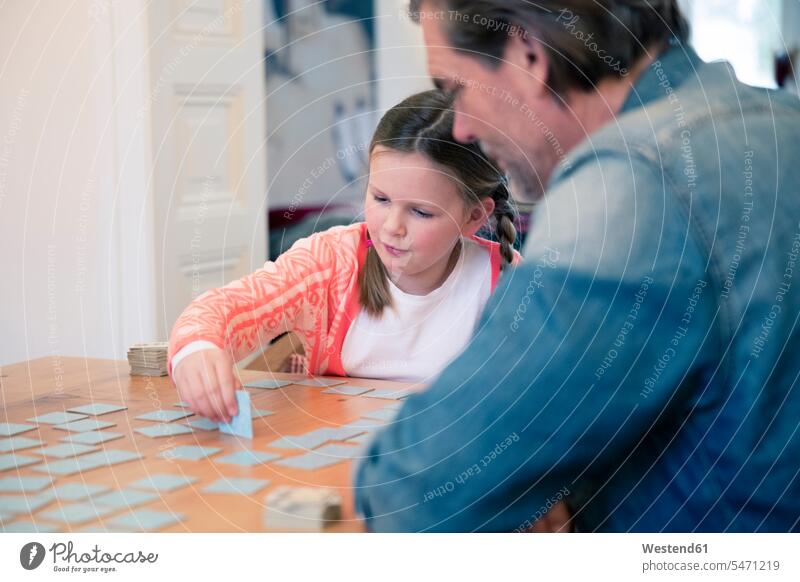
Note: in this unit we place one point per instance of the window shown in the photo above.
(747, 33)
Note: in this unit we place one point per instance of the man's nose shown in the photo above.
(462, 128)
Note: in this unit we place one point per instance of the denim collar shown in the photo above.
(678, 62)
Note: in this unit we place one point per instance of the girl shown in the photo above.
(396, 297)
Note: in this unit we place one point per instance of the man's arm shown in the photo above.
(577, 356)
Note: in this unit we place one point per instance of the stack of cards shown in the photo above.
(148, 359)
(308, 508)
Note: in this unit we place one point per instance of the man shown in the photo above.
(641, 363)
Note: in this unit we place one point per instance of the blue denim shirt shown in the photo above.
(642, 362)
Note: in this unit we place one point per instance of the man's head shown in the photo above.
(532, 79)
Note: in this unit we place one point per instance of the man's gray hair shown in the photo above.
(586, 40)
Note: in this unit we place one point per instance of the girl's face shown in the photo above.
(415, 216)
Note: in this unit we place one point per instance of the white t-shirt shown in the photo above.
(417, 337)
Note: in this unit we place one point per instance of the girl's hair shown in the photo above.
(423, 124)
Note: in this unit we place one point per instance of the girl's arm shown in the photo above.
(246, 314)
(242, 316)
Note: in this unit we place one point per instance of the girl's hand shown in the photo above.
(205, 380)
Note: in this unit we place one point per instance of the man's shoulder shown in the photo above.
(696, 111)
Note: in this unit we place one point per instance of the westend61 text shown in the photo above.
(670, 549)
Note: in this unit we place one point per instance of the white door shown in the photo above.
(209, 163)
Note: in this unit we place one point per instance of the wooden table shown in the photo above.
(55, 384)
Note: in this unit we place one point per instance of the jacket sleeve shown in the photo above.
(246, 314)
(564, 375)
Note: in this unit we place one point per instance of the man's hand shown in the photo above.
(205, 380)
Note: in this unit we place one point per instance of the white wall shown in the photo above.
(400, 58)
(75, 216)
(59, 245)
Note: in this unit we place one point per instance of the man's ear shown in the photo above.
(525, 53)
(478, 216)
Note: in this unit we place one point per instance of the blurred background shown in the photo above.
(150, 150)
